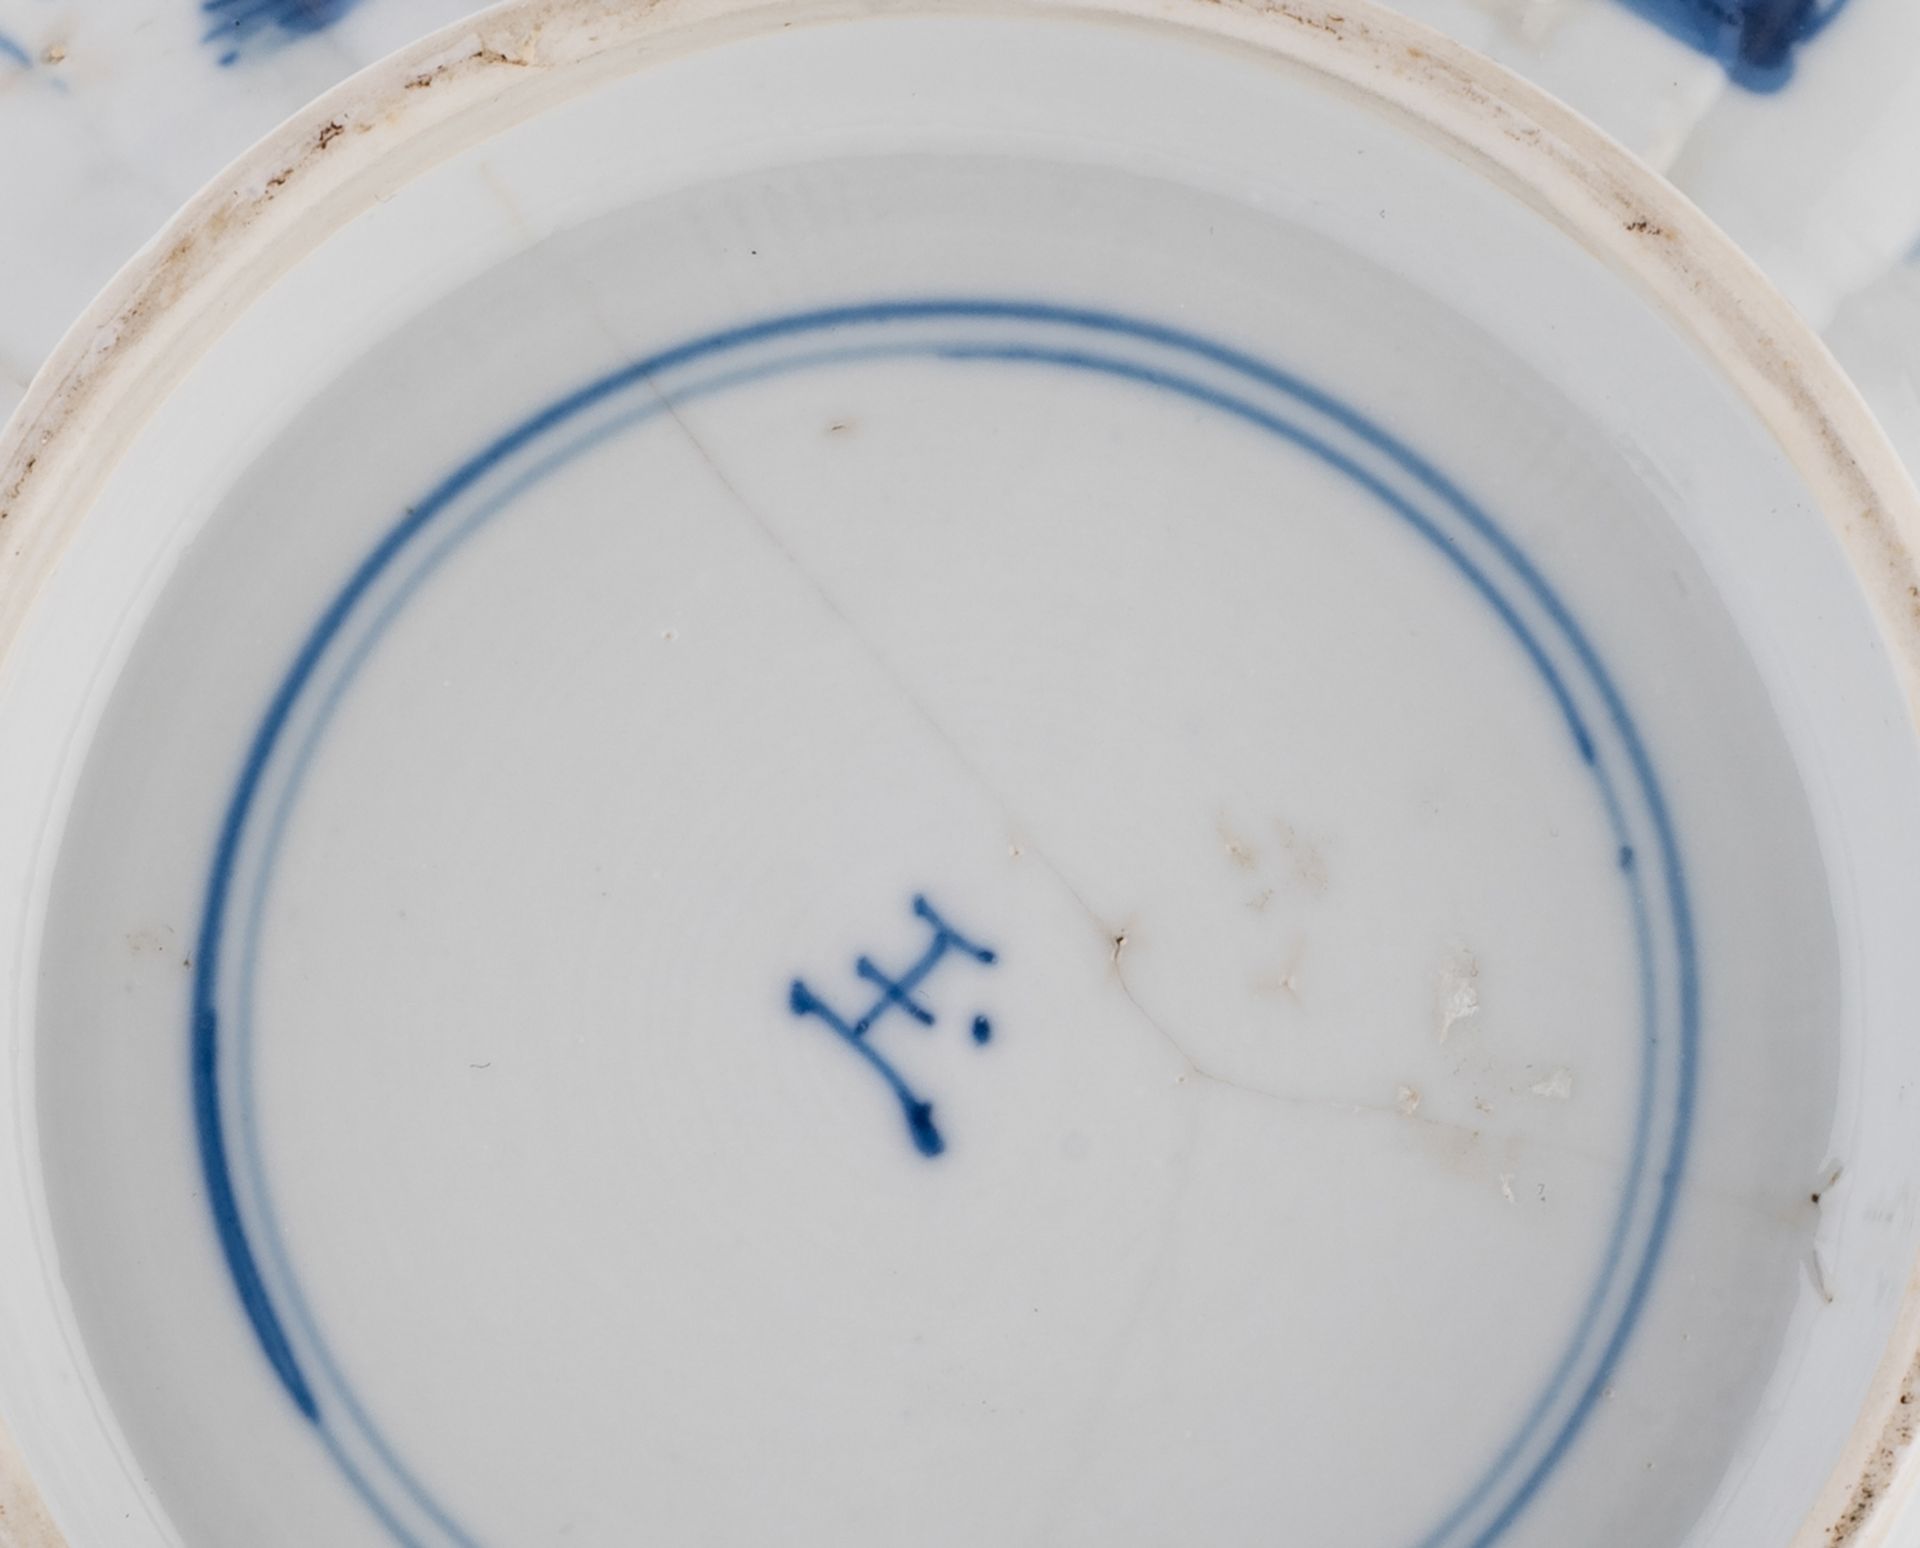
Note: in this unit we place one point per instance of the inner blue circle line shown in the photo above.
(1369, 481)
(363, 1487)
(205, 1022)
(1224, 402)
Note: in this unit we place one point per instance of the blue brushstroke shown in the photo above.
(13, 53)
(897, 994)
(235, 24)
(1755, 39)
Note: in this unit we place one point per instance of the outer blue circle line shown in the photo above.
(205, 1021)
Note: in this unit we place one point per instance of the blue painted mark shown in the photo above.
(982, 1030)
(235, 24)
(1405, 484)
(1755, 40)
(897, 994)
(13, 53)
(241, 1263)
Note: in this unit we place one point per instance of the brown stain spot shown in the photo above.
(23, 1514)
(1828, 1182)
(1309, 864)
(154, 940)
(1454, 1148)
(1895, 1437)
(1724, 320)
(53, 54)
(1332, 23)
(1286, 980)
(1123, 939)
(206, 230)
(1236, 849)
(13, 489)
(484, 57)
(1329, 22)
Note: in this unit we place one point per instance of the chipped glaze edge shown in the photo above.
(361, 141)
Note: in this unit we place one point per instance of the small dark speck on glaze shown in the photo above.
(1756, 40)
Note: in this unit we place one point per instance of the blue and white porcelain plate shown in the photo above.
(1052, 775)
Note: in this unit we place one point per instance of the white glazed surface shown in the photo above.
(115, 111)
(1150, 919)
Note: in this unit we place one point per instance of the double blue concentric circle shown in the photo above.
(967, 335)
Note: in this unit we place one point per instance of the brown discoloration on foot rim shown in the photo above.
(1896, 1440)
(402, 117)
